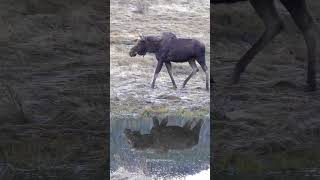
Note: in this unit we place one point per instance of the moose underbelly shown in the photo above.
(173, 144)
(173, 140)
(183, 58)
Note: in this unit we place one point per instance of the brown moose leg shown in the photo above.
(304, 21)
(158, 69)
(273, 24)
(169, 68)
(194, 71)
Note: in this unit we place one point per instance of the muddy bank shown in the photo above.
(267, 121)
(53, 89)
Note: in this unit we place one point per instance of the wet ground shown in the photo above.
(131, 77)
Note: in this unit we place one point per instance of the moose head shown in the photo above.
(140, 47)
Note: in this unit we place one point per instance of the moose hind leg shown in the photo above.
(169, 68)
(273, 25)
(205, 69)
(194, 71)
(196, 130)
(299, 12)
(187, 125)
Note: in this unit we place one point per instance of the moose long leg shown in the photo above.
(158, 69)
(194, 71)
(304, 21)
(169, 68)
(196, 130)
(187, 125)
(205, 69)
(273, 24)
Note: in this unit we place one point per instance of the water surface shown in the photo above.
(133, 164)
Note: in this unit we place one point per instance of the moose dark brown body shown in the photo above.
(168, 48)
(268, 13)
(163, 138)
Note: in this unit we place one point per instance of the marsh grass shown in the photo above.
(280, 162)
(53, 92)
(15, 101)
(154, 111)
(182, 113)
(40, 159)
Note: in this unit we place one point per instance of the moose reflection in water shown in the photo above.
(163, 138)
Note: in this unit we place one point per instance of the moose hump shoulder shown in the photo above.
(163, 137)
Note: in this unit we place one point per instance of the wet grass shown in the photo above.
(53, 90)
(155, 111)
(280, 162)
(183, 113)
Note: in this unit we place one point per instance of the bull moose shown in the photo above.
(267, 11)
(163, 138)
(168, 48)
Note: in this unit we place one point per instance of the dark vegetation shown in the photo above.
(53, 80)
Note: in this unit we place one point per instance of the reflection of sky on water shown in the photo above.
(171, 164)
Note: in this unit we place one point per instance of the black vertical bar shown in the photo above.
(107, 40)
(211, 87)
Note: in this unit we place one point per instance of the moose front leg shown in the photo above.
(158, 69)
(169, 68)
(273, 26)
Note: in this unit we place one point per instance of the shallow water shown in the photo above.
(132, 164)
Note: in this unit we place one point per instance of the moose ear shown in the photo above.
(127, 131)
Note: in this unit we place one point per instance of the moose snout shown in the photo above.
(127, 131)
(132, 54)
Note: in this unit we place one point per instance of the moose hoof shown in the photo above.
(175, 87)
